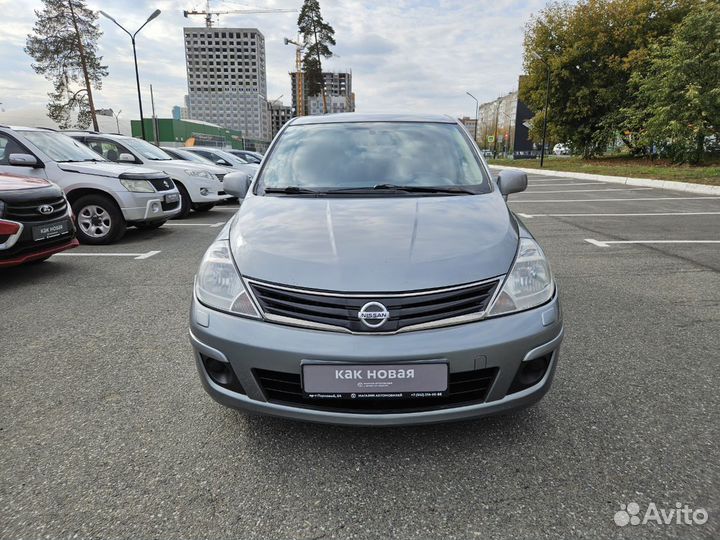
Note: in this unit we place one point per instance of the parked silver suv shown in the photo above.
(375, 275)
(105, 197)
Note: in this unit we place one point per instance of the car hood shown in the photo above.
(10, 181)
(374, 244)
(105, 168)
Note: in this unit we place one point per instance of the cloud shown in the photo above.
(406, 55)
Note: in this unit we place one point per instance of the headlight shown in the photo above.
(139, 186)
(200, 173)
(528, 284)
(218, 284)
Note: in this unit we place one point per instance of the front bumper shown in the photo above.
(503, 343)
(148, 206)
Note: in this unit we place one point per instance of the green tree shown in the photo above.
(592, 48)
(679, 87)
(64, 47)
(319, 36)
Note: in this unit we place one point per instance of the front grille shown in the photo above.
(30, 211)
(341, 310)
(162, 184)
(465, 388)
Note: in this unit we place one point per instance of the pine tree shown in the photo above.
(319, 35)
(64, 47)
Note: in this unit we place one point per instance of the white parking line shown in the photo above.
(623, 214)
(530, 184)
(137, 256)
(707, 197)
(591, 190)
(606, 243)
(218, 224)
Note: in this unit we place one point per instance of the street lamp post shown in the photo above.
(547, 102)
(137, 74)
(477, 108)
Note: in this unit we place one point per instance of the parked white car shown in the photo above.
(224, 159)
(561, 149)
(200, 185)
(105, 197)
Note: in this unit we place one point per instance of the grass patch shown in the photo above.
(708, 173)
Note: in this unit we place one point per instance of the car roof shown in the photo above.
(340, 118)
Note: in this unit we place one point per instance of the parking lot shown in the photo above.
(106, 432)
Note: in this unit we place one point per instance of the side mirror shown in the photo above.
(237, 184)
(222, 163)
(126, 158)
(23, 160)
(510, 181)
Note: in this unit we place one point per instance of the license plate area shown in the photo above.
(172, 198)
(374, 381)
(47, 231)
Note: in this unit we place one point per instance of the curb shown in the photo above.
(643, 182)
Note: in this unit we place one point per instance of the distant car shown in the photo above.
(224, 159)
(200, 185)
(247, 155)
(35, 220)
(561, 149)
(105, 197)
(184, 155)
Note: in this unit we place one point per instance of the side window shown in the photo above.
(7, 147)
(110, 150)
(205, 154)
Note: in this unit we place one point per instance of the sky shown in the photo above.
(405, 55)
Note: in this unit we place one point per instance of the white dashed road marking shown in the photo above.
(137, 256)
(607, 243)
(218, 224)
(623, 214)
(706, 197)
(590, 190)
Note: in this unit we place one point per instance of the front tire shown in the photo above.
(185, 202)
(98, 219)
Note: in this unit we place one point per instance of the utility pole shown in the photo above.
(117, 121)
(156, 136)
(83, 63)
(497, 115)
(547, 104)
(477, 110)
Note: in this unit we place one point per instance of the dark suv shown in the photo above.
(35, 220)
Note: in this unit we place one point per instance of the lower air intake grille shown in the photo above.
(465, 388)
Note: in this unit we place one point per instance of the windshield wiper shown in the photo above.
(404, 189)
(292, 190)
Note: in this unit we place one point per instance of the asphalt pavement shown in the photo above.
(105, 431)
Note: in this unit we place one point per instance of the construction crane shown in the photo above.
(209, 14)
(299, 90)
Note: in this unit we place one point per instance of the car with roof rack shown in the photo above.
(105, 197)
(35, 220)
(200, 185)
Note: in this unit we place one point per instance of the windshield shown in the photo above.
(61, 148)
(361, 156)
(147, 150)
